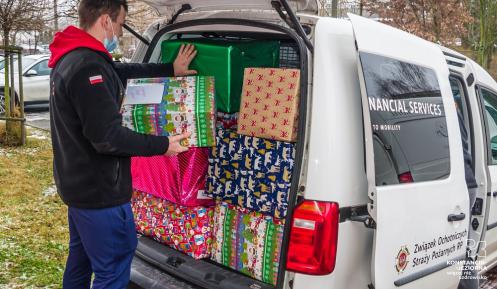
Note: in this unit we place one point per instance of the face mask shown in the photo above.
(113, 44)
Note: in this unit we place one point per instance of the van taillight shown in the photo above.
(313, 238)
(406, 178)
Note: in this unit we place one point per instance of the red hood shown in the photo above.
(70, 39)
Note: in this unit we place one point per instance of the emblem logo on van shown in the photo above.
(402, 259)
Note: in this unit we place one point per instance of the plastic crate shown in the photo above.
(289, 55)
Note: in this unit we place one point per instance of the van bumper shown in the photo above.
(146, 276)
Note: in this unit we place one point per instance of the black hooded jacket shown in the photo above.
(91, 148)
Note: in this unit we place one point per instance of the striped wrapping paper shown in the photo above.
(179, 179)
(187, 105)
(248, 242)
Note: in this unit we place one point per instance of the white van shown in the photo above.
(379, 148)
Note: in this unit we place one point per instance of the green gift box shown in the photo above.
(226, 61)
(185, 104)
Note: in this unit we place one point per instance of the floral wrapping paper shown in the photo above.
(251, 172)
(187, 105)
(186, 229)
(248, 242)
(269, 104)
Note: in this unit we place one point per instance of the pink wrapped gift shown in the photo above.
(178, 179)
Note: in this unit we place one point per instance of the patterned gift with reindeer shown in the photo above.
(251, 172)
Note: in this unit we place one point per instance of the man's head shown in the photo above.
(102, 18)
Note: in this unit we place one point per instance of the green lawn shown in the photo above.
(33, 225)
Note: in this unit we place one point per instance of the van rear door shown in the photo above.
(416, 183)
(168, 8)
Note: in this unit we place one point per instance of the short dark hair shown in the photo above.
(90, 10)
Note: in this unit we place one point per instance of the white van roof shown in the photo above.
(168, 8)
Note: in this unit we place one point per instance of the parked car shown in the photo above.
(35, 79)
(378, 196)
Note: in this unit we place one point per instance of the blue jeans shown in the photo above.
(103, 242)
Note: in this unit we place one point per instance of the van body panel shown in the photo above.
(336, 169)
(461, 69)
(412, 219)
(353, 267)
(488, 254)
(488, 248)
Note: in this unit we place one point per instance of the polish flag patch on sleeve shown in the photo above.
(96, 79)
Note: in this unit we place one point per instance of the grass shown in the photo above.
(33, 226)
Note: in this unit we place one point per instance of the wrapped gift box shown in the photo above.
(179, 179)
(187, 104)
(186, 229)
(227, 121)
(249, 242)
(146, 210)
(251, 172)
(269, 105)
(225, 60)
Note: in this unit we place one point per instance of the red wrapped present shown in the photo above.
(186, 229)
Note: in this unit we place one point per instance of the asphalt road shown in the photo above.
(38, 119)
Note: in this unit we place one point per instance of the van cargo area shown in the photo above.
(224, 271)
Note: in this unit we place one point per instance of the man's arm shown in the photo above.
(142, 70)
(180, 66)
(98, 111)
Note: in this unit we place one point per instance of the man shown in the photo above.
(92, 150)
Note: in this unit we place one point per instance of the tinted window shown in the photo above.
(458, 93)
(42, 68)
(408, 121)
(25, 63)
(490, 101)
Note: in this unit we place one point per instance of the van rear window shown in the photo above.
(410, 136)
(490, 102)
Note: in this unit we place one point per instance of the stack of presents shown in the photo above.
(226, 198)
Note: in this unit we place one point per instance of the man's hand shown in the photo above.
(175, 146)
(183, 60)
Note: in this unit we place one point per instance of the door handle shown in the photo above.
(494, 194)
(456, 217)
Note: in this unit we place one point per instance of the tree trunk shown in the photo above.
(334, 8)
(487, 17)
(56, 16)
(36, 42)
(12, 128)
